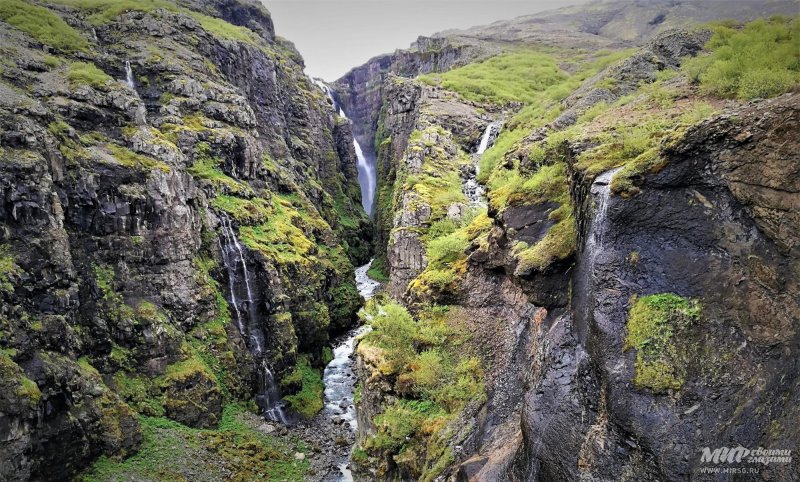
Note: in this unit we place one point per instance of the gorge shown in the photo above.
(559, 247)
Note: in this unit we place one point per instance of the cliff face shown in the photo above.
(137, 209)
(703, 227)
(628, 311)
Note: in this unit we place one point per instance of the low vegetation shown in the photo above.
(306, 382)
(654, 323)
(87, 73)
(433, 379)
(171, 451)
(757, 60)
(42, 24)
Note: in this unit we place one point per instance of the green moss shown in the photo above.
(280, 238)
(308, 399)
(246, 211)
(207, 167)
(237, 450)
(128, 158)
(8, 269)
(87, 73)
(222, 29)
(557, 245)
(653, 322)
(42, 24)
(13, 381)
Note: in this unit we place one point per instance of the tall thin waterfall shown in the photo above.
(129, 75)
(367, 175)
(245, 311)
(593, 249)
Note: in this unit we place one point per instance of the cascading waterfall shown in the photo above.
(246, 319)
(367, 175)
(472, 188)
(129, 75)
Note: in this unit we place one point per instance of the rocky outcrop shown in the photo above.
(115, 299)
(703, 228)
(361, 91)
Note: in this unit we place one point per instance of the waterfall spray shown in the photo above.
(129, 75)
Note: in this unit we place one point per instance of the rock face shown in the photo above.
(715, 224)
(114, 294)
(704, 227)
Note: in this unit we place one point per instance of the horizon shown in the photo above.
(360, 32)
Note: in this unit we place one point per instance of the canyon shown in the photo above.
(559, 247)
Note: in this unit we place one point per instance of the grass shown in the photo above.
(308, 400)
(173, 452)
(43, 25)
(759, 60)
(378, 270)
(510, 77)
(432, 379)
(87, 73)
(653, 323)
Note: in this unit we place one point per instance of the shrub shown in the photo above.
(759, 60)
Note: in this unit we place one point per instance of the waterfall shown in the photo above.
(367, 175)
(129, 75)
(472, 188)
(246, 318)
(594, 246)
(487, 136)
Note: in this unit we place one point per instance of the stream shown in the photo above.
(340, 382)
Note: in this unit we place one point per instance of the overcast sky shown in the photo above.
(336, 35)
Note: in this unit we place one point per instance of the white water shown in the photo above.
(234, 260)
(129, 75)
(487, 134)
(472, 188)
(367, 176)
(595, 242)
(339, 378)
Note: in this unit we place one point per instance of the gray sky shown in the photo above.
(336, 35)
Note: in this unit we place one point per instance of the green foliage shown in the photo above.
(87, 73)
(431, 375)
(378, 270)
(222, 29)
(759, 60)
(652, 325)
(171, 451)
(308, 400)
(8, 269)
(42, 24)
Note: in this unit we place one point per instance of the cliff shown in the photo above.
(180, 209)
